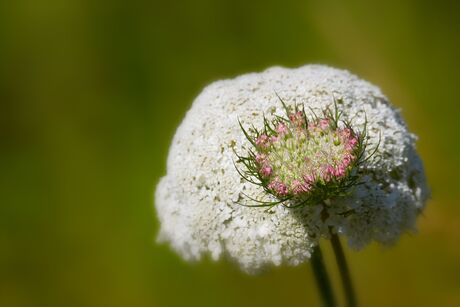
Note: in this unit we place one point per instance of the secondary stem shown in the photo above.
(322, 279)
(344, 271)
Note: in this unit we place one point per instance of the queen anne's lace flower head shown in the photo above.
(239, 147)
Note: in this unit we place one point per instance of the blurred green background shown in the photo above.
(92, 91)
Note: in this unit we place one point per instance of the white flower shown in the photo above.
(196, 200)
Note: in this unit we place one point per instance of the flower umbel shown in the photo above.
(197, 201)
(303, 158)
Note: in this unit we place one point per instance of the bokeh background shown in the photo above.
(91, 93)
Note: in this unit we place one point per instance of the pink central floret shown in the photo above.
(309, 179)
(266, 170)
(260, 158)
(328, 173)
(292, 158)
(262, 140)
(346, 132)
(347, 160)
(300, 187)
(275, 138)
(324, 123)
(279, 187)
(339, 171)
(352, 143)
(297, 118)
(282, 129)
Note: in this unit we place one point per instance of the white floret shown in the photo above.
(196, 200)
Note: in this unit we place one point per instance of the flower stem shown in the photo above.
(322, 279)
(344, 271)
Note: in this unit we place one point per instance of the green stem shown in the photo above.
(344, 271)
(322, 279)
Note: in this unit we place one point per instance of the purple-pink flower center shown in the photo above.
(294, 157)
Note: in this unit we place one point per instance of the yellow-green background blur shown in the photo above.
(91, 93)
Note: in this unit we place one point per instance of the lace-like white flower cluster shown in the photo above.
(197, 201)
